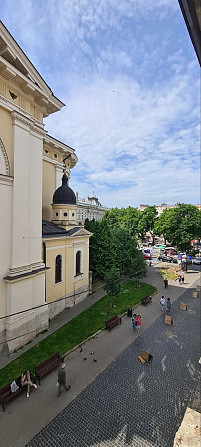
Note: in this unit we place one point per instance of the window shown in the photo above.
(65, 214)
(78, 262)
(58, 268)
(57, 214)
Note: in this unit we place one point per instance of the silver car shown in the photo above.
(197, 261)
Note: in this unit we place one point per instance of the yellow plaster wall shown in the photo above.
(6, 135)
(49, 181)
(69, 284)
(54, 291)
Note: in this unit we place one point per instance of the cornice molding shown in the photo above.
(28, 121)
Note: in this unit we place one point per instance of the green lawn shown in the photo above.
(77, 330)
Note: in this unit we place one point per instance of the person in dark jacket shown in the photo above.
(62, 379)
(168, 305)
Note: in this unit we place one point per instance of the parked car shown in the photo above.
(165, 258)
(197, 261)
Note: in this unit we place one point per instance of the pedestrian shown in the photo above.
(182, 279)
(162, 301)
(62, 379)
(179, 279)
(168, 305)
(26, 380)
(150, 263)
(133, 321)
(138, 323)
(166, 283)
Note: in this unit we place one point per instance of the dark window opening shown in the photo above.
(58, 267)
(65, 214)
(78, 263)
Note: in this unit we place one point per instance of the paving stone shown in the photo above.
(142, 403)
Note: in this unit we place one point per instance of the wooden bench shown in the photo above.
(112, 322)
(6, 394)
(146, 299)
(47, 365)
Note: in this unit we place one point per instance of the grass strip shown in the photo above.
(77, 330)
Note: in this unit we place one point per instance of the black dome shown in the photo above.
(64, 194)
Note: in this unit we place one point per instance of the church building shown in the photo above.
(44, 252)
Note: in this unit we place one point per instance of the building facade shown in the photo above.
(90, 209)
(162, 207)
(31, 169)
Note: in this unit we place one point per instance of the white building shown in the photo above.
(89, 209)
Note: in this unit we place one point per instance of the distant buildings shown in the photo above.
(90, 209)
(162, 207)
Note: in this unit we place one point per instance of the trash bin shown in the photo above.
(129, 313)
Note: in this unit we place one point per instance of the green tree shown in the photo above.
(146, 222)
(138, 267)
(112, 286)
(101, 247)
(125, 249)
(114, 217)
(130, 220)
(179, 225)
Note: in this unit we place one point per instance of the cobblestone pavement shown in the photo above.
(134, 404)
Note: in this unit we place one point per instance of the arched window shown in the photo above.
(58, 269)
(78, 263)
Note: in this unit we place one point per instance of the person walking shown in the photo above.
(26, 380)
(162, 301)
(138, 323)
(62, 379)
(133, 321)
(168, 305)
(179, 279)
(166, 283)
(182, 279)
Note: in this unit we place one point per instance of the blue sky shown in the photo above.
(130, 79)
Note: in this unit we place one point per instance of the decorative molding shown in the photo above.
(33, 124)
(4, 162)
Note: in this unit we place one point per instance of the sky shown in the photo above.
(130, 79)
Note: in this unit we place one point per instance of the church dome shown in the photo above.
(64, 194)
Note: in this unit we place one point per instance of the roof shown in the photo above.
(16, 66)
(49, 230)
(64, 194)
(191, 11)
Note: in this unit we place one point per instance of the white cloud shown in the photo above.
(130, 79)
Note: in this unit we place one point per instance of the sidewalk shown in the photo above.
(27, 417)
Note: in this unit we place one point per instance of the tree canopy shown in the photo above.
(179, 225)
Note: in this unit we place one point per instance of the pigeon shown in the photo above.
(95, 360)
(85, 358)
(92, 352)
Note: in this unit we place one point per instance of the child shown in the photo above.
(138, 323)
